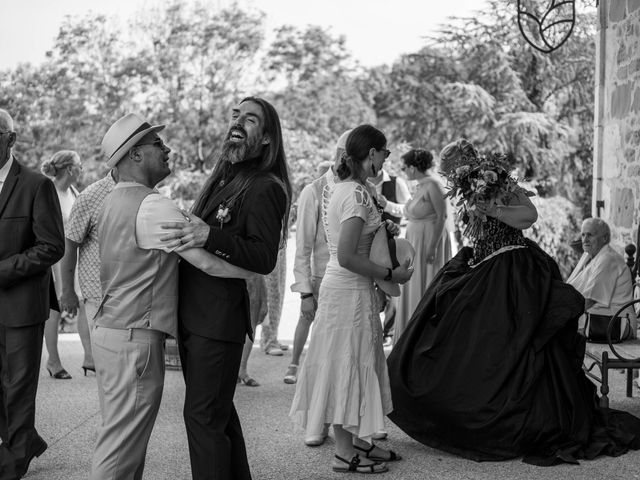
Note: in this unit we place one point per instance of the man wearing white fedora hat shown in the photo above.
(139, 306)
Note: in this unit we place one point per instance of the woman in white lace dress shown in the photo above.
(344, 381)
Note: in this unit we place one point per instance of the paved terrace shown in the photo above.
(68, 415)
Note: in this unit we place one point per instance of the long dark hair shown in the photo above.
(359, 142)
(272, 162)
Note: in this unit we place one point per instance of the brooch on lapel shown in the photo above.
(223, 214)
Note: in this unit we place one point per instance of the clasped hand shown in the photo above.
(392, 228)
(191, 233)
(402, 273)
(69, 302)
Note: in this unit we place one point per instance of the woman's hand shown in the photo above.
(308, 307)
(392, 228)
(402, 273)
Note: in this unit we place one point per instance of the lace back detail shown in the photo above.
(326, 196)
(497, 235)
(362, 196)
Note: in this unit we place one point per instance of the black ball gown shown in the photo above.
(490, 365)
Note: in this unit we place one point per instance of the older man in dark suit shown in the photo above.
(31, 240)
(244, 205)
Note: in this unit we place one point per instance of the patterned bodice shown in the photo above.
(497, 235)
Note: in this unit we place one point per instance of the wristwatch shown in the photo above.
(305, 295)
(389, 273)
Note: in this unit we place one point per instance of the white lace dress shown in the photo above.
(344, 379)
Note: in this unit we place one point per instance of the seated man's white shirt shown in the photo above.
(606, 280)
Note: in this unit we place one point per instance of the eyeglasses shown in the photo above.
(386, 152)
(157, 142)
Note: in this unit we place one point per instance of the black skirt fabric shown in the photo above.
(490, 366)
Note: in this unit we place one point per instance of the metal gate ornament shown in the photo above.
(546, 25)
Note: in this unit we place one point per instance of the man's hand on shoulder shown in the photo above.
(192, 233)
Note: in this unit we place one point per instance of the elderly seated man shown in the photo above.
(602, 276)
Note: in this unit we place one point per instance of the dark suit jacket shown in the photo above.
(217, 308)
(31, 240)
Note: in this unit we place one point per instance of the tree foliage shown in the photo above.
(479, 79)
(186, 63)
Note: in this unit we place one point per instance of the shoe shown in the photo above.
(274, 351)
(354, 466)
(291, 377)
(379, 435)
(317, 440)
(248, 381)
(60, 374)
(88, 369)
(36, 451)
(283, 347)
(393, 456)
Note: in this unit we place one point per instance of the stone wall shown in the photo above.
(617, 141)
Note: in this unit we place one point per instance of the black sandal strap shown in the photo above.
(367, 451)
(353, 464)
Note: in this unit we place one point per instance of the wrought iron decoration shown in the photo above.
(546, 24)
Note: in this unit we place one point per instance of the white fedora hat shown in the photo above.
(123, 135)
(390, 253)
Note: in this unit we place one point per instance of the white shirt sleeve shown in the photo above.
(306, 231)
(153, 212)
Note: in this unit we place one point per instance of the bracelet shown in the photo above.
(305, 295)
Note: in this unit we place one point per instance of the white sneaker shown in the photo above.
(317, 440)
(274, 351)
(380, 435)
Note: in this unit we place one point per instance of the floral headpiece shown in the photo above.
(477, 185)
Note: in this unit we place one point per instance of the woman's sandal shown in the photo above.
(393, 456)
(292, 374)
(354, 466)
(248, 381)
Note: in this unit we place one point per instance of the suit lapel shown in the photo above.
(218, 197)
(9, 184)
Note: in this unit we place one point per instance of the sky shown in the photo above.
(376, 31)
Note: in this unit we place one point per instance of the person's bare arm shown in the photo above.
(436, 198)
(349, 258)
(521, 213)
(212, 264)
(68, 299)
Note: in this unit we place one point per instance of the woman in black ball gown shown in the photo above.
(490, 365)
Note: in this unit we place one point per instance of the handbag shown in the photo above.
(595, 328)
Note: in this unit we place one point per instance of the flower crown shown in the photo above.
(476, 183)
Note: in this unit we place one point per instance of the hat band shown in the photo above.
(143, 126)
(392, 253)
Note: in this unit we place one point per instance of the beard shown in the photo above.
(235, 152)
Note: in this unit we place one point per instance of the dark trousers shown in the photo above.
(20, 352)
(216, 444)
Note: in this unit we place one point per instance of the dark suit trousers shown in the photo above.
(20, 352)
(216, 444)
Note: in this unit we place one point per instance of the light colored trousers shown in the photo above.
(91, 306)
(130, 374)
(275, 298)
